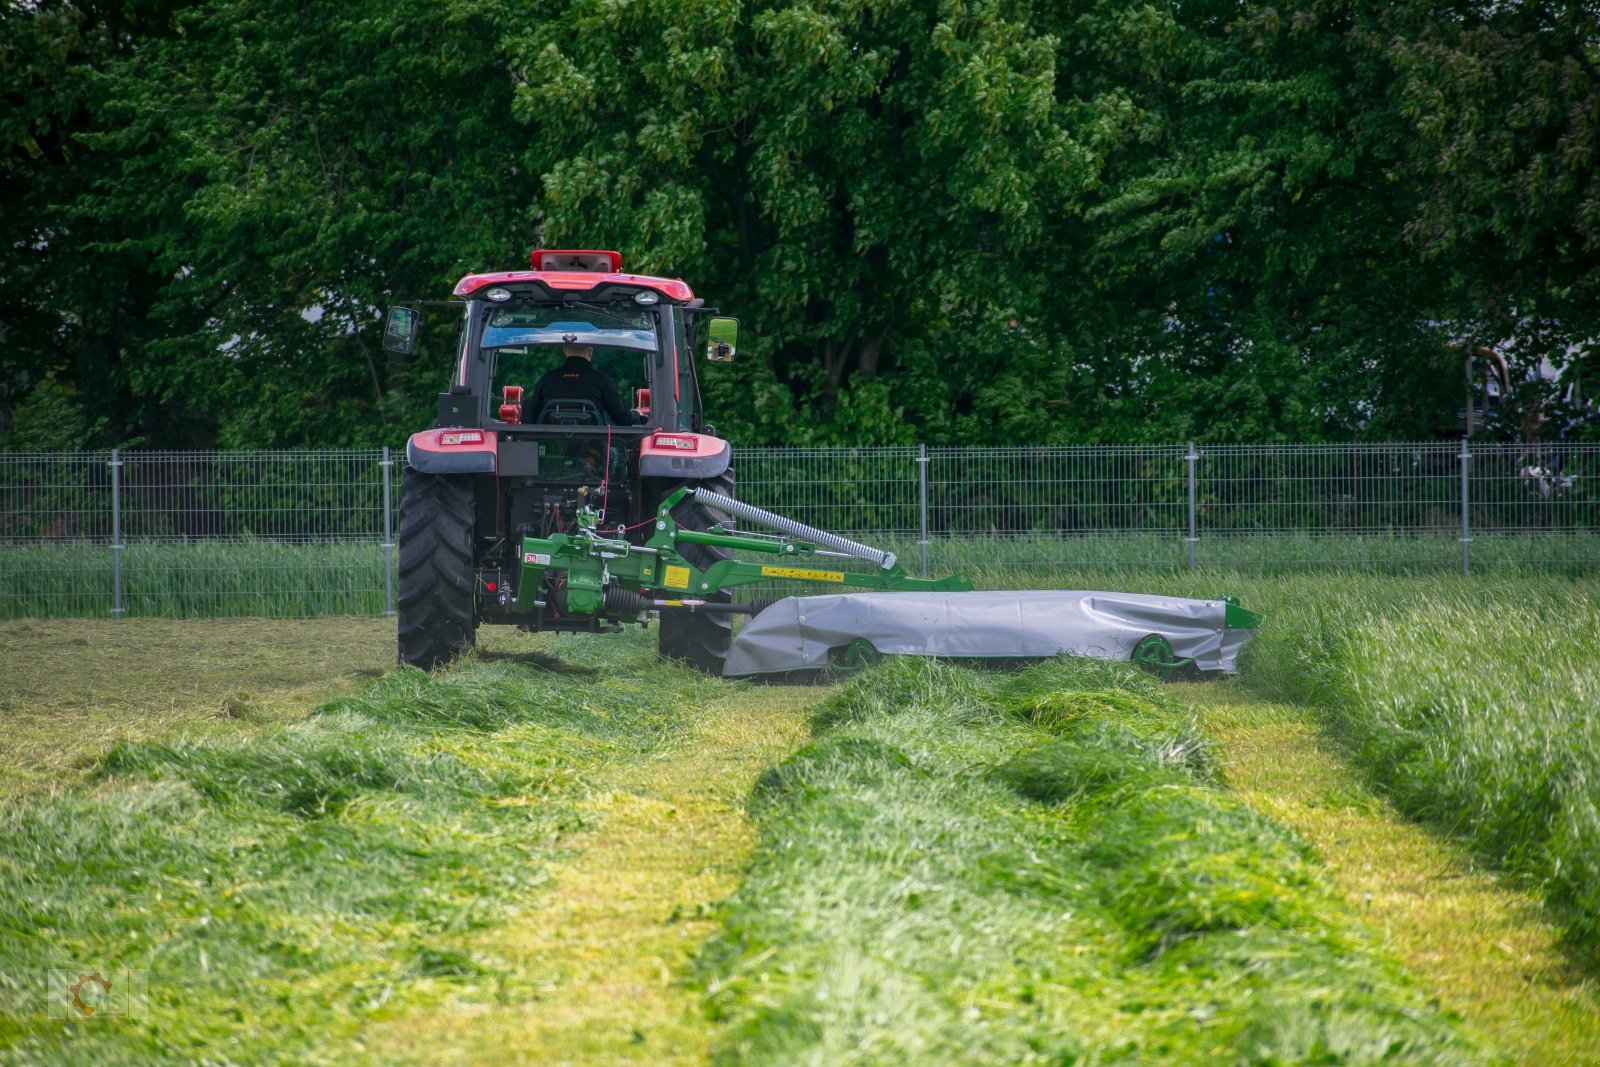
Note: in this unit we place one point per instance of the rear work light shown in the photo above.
(688, 444)
(465, 437)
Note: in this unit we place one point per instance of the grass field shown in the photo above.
(1475, 706)
(563, 850)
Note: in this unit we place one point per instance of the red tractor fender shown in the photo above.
(684, 455)
(453, 450)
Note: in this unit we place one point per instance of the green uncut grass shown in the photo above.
(285, 886)
(201, 579)
(287, 580)
(1043, 868)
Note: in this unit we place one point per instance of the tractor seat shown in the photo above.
(511, 408)
(571, 413)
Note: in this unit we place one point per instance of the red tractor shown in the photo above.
(494, 471)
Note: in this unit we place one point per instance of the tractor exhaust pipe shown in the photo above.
(740, 510)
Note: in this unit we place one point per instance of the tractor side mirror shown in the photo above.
(400, 331)
(724, 334)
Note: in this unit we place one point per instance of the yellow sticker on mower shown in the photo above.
(803, 575)
(677, 577)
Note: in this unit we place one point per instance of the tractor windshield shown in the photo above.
(571, 325)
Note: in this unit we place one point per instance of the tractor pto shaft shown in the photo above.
(740, 510)
(705, 607)
(620, 602)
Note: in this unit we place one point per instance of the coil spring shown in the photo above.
(740, 510)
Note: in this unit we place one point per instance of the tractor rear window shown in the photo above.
(524, 365)
(571, 325)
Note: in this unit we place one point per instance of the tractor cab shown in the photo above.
(515, 327)
(533, 458)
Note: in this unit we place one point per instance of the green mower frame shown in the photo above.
(611, 576)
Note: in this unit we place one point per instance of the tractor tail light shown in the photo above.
(464, 437)
(688, 444)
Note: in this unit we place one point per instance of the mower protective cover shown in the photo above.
(797, 633)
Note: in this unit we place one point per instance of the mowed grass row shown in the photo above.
(1472, 702)
(1043, 868)
(284, 887)
(273, 579)
(1474, 705)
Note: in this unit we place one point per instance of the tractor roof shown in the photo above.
(580, 270)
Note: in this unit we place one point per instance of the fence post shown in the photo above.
(922, 487)
(1191, 459)
(388, 534)
(116, 533)
(1466, 529)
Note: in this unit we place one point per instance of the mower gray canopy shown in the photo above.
(798, 632)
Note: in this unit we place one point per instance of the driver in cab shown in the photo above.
(576, 379)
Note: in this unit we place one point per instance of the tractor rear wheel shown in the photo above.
(700, 639)
(437, 614)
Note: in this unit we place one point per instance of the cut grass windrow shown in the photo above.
(965, 868)
(284, 888)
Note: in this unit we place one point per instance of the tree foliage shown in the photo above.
(951, 221)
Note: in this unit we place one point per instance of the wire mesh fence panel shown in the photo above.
(1383, 489)
(856, 491)
(294, 533)
(1534, 504)
(1291, 506)
(1047, 508)
(289, 533)
(284, 496)
(55, 496)
(55, 524)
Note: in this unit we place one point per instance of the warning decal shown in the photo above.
(811, 576)
(677, 577)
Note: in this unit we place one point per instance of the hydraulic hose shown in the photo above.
(740, 510)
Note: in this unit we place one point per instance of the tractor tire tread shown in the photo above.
(436, 617)
(700, 640)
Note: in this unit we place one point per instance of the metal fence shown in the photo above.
(311, 532)
(197, 534)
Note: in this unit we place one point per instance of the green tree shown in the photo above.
(856, 178)
(278, 172)
(991, 222)
(1503, 104)
(77, 289)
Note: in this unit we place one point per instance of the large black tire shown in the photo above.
(437, 615)
(700, 640)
